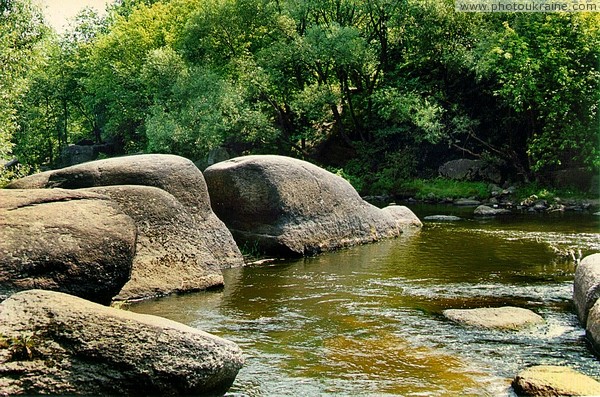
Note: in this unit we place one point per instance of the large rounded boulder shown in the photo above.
(56, 344)
(75, 242)
(171, 256)
(173, 174)
(290, 207)
(586, 288)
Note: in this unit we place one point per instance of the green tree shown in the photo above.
(21, 31)
(54, 111)
(114, 70)
(546, 72)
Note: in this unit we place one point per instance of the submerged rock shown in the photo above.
(62, 240)
(171, 256)
(551, 380)
(176, 175)
(586, 287)
(463, 202)
(69, 346)
(442, 218)
(290, 207)
(507, 317)
(484, 210)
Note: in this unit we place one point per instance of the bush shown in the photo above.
(440, 188)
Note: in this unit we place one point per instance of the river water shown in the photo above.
(367, 321)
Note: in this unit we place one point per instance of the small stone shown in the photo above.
(551, 380)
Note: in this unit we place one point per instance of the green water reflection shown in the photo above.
(367, 320)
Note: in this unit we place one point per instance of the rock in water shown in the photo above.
(551, 380)
(67, 345)
(586, 287)
(289, 207)
(75, 242)
(464, 202)
(176, 175)
(442, 218)
(405, 218)
(171, 256)
(508, 317)
(484, 210)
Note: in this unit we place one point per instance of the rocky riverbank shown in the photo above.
(140, 227)
(502, 199)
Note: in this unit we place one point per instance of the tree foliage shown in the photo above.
(21, 31)
(385, 89)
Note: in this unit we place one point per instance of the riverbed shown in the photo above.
(367, 321)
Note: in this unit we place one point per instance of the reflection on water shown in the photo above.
(367, 320)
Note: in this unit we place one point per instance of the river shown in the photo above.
(367, 321)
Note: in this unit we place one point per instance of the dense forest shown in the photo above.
(378, 90)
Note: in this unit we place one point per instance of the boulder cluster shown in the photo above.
(76, 239)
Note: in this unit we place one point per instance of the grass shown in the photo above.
(22, 347)
(251, 251)
(550, 194)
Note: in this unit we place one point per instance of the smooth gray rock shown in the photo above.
(552, 380)
(507, 317)
(176, 175)
(171, 253)
(62, 240)
(586, 287)
(290, 207)
(484, 210)
(76, 347)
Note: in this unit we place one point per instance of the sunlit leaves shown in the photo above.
(423, 115)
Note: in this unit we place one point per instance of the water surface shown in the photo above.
(368, 320)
